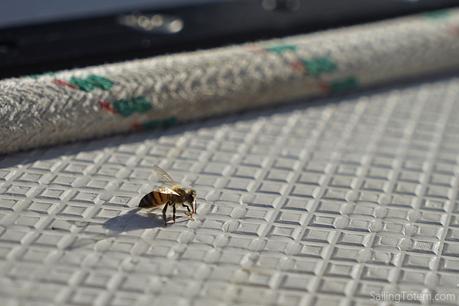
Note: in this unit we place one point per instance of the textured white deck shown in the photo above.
(329, 203)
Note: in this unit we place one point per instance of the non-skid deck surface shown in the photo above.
(342, 202)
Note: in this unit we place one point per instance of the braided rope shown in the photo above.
(161, 91)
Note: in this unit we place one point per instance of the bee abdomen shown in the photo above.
(147, 200)
(152, 199)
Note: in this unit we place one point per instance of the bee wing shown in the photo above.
(166, 190)
(164, 177)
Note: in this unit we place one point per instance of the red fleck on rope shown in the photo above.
(297, 66)
(63, 83)
(105, 105)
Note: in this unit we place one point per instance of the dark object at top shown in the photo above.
(147, 31)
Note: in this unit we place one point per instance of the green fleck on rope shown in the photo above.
(100, 82)
(345, 84)
(152, 124)
(91, 82)
(319, 66)
(279, 49)
(82, 84)
(127, 107)
(440, 14)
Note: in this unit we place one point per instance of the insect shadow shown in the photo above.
(130, 221)
(133, 220)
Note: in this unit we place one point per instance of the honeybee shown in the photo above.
(170, 194)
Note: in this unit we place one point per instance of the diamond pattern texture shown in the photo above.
(325, 203)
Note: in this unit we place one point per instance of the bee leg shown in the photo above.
(164, 213)
(190, 213)
(173, 212)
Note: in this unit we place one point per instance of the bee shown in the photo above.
(170, 194)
